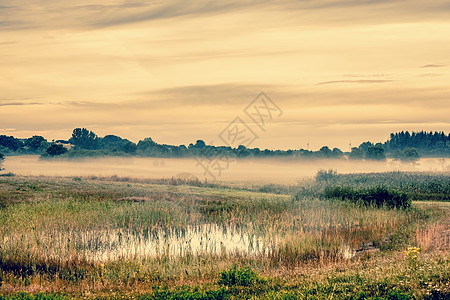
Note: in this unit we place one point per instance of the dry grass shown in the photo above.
(65, 235)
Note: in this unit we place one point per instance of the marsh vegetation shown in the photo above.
(123, 237)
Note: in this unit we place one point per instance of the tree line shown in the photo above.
(85, 143)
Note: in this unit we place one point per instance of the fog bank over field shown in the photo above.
(248, 170)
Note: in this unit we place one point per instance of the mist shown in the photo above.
(261, 171)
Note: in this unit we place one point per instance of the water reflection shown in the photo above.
(209, 239)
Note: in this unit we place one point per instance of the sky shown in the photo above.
(339, 72)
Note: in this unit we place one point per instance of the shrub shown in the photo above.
(55, 150)
(9, 174)
(244, 276)
(325, 175)
(377, 196)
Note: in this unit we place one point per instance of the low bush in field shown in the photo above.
(244, 276)
(325, 175)
(376, 196)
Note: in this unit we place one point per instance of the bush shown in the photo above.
(55, 150)
(9, 174)
(244, 276)
(378, 196)
(325, 175)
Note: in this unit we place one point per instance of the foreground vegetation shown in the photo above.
(169, 239)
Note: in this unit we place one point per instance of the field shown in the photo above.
(121, 238)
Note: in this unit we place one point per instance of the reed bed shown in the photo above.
(103, 234)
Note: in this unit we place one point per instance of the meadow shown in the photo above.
(121, 237)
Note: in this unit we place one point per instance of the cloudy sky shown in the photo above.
(177, 71)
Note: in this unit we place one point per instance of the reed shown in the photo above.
(61, 234)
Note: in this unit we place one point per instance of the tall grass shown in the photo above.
(103, 234)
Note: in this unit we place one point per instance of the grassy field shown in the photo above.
(119, 238)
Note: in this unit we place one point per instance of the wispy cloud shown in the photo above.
(353, 81)
(182, 69)
(96, 14)
(433, 66)
(19, 101)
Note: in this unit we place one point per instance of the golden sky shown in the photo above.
(178, 71)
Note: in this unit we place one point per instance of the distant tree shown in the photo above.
(84, 139)
(325, 151)
(242, 151)
(431, 143)
(107, 139)
(10, 142)
(410, 154)
(357, 153)
(130, 147)
(200, 144)
(113, 143)
(375, 153)
(337, 152)
(146, 144)
(36, 143)
(55, 150)
(364, 146)
(2, 158)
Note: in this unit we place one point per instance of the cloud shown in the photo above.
(430, 75)
(8, 43)
(18, 102)
(433, 66)
(96, 14)
(233, 97)
(375, 75)
(353, 81)
(178, 8)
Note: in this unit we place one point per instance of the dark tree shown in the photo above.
(36, 143)
(2, 158)
(375, 153)
(146, 144)
(325, 151)
(200, 144)
(357, 153)
(130, 147)
(115, 143)
(337, 152)
(84, 139)
(10, 142)
(243, 151)
(364, 146)
(410, 154)
(55, 150)
(430, 143)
